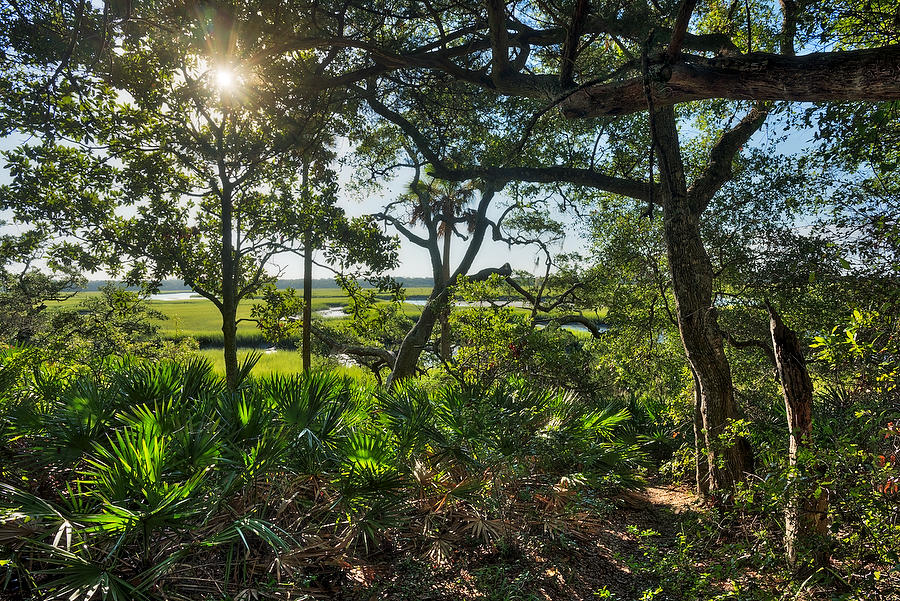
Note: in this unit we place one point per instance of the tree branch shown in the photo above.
(336, 347)
(400, 227)
(579, 319)
(584, 177)
(481, 225)
(788, 26)
(743, 344)
(570, 45)
(864, 75)
(718, 170)
(496, 11)
(680, 30)
(534, 301)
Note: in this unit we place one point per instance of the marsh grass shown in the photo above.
(199, 319)
(283, 362)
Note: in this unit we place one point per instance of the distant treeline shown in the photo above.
(178, 285)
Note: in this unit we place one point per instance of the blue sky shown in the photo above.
(414, 261)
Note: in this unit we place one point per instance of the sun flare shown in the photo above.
(226, 80)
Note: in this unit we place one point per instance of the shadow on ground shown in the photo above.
(589, 561)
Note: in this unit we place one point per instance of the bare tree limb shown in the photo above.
(336, 347)
(743, 344)
(579, 319)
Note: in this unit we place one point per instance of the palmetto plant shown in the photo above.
(158, 471)
(85, 412)
(133, 478)
(481, 449)
(409, 413)
(316, 410)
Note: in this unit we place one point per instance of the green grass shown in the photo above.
(283, 362)
(198, 318)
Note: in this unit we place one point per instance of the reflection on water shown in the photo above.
(577, 327)
(572, 327)
(335, 312)
(174, 296)
(420, 302)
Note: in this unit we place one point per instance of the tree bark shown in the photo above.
(692, 278)
(229, 340)
(870, 74)
(701, 466)
(445, 313)
(728, 458)
(229, 279)
(416, 339)
(858, 75)
(306, 345)
(806, 511)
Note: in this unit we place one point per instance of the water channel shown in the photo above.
(336, 312)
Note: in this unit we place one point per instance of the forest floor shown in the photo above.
(657, 543)
(600, 559)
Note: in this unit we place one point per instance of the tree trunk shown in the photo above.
(806, 512)
(229, 281)
(416, 339)
(446, 347)
(307, 301)
(692, 284)
(728, 458)
(445, 313)
(229, 339)
(702, 467)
